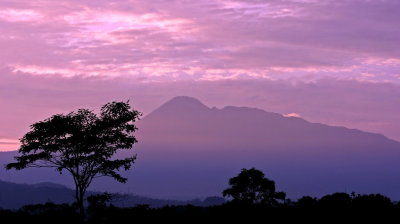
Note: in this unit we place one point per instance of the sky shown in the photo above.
(327, 61)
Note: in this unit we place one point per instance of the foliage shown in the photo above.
(251, 186)
(81, 143)
(297, 212)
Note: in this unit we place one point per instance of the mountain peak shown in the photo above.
(185, 100)
(181, 104)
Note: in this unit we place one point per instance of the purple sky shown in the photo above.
(335, 62)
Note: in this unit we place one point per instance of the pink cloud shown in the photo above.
(38, 70)
(9, 144)
(20, 15)
(292, 115)
(284, 39)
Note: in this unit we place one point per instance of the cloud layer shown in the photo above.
(335, 62)
(160, 40)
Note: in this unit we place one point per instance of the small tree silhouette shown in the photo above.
(81, 143)
(337, 200)
(252, 187)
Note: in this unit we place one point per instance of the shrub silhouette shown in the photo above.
(336, 201)
(81, 143)
(372, 201)
(99, 200)
(307, 202)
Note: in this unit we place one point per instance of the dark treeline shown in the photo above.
(251, 196)
(334, 207)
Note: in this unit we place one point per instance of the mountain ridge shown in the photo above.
(250, 120)
(189, 150)
(186, 102)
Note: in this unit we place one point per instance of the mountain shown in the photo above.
(185, 121)
(188, 150)
(49, 185)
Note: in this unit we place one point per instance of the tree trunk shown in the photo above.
(81, 206)
(79, 196)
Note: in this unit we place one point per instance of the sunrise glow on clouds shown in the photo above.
(292, 115)
(259, 39)
(295, 45)
(10, 144)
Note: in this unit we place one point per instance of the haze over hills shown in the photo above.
(14, 196)
(188, 150)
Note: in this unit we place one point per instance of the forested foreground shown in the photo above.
(334, 207)
(251, 197)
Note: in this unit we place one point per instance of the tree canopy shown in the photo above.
(81, 143)
(251, 186)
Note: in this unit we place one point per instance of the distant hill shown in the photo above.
(49, 185)
(14, 196)
(187, 150)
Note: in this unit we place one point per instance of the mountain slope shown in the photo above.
(179, 124)
(187, 150)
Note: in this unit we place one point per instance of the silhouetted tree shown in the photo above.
(251, 186)
(372, 201)
(98, 206)
(336, 200)
(99, 200)
(81, 143)
(307, 202)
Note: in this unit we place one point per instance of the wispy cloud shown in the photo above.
(8, 144)
(20, 15)
(292, 115)
(180, 40)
